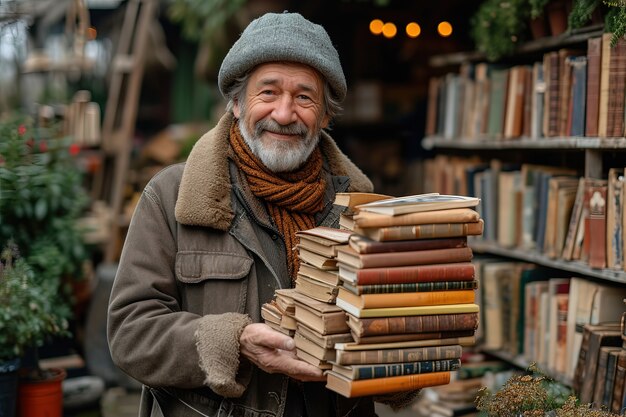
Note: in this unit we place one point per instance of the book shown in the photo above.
(315, 289)
(406, 311)
(593, 339)
(423, 231)
(594, 53)
(284, 301)
(617, 88)
(574, 221)
(461, 271)
(551, 96)
(328, 276)
(514, 116)
(597, 225)
(323, 240)
(603, 374)
(353, 199)
(362, 244)
(370, 371)
(322, 317)
(315, 259)
(407, 337)
(614, 216)
(405, 299)
(393, 355)
(326, 341)
(413, 324)
(351, 388)
(312, 348)
(348, 256)
(351, 346)
(497, 102)
(576, 125)
(619, 386)
(419, 203)
(307, 357)
(462, 215)
(410, 287)
(538, 91)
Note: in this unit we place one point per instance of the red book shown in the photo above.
(461, 271)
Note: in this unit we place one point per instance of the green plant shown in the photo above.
(534, 395)
(201, 19)
(41, 201)
(29, 314)
(537, 7)
(614, 21)
(499, 26)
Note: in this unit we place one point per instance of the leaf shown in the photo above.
(41, 209)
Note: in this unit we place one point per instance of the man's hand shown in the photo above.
(275, 352)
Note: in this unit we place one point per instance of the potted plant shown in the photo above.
(28, 317)
(499, 26)
(41, 203)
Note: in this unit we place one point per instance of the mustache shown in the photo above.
(273, 127)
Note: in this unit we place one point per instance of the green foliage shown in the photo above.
(537, 7)
(498, 26)
(534, 394)
(30, 311)
(41, 201)
(615, 21)
(581, 12)
(201, 19)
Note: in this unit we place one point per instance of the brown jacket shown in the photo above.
(200, 258)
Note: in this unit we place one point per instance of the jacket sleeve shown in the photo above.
(151, 337)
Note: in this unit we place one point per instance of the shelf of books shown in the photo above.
(551, 262)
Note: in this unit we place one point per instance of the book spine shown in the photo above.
(619, 386)
(407, 368)
(398, 383)
(428, 231)
(364, 245)
(422, 273)
(361, 357)
(419, 324)
(422, 257)
(417, 287)
(617, 83)
(430, 298)
(594, 48)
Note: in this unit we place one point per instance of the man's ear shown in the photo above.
(325, 121)
(236, 109)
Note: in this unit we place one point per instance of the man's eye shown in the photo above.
(267, 92)
(304, 97)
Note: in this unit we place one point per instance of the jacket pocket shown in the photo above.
(193, 267)
(213, 282)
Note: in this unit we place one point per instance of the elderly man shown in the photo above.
(212, 239)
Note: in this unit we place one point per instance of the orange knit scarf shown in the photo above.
(292, 198)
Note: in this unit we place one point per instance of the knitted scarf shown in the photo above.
(292, 198)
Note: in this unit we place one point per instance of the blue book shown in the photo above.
(579, 95)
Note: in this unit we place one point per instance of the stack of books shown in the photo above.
(317, 274)
(408, 288)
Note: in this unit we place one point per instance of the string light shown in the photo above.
(413, 30)
(445, 29)
(376, 26)
(389, 30)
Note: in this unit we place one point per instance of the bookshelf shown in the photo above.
(539, 133)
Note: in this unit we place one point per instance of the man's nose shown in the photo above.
(284, 112)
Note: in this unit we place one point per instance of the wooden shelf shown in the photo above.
(541, 259)
(551, 42)
(431, 142)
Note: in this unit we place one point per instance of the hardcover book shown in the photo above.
(407, 337)
(407, 311)
(351, 388)
(462, 215)
(413, 324)
(328, 276)
(422, 231)
(348, 256)
(460, 271)
(362, 244)
(393, 355)
(326, 341)
(410, 287)
(351, 346)
(419, 203)
(405, 299)
(315, 259)
(322, 317)
(594, 53)
(315, 289)
(358, 372)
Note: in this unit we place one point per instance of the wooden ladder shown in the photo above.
(120, 115)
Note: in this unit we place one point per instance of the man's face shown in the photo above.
(283, 114)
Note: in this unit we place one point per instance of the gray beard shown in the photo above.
(280, 156)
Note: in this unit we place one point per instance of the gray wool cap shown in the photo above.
(283, 37)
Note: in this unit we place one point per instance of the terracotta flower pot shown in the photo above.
(41, 397)
(557, 12)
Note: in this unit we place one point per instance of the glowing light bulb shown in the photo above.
(413, 30)
(376, 26)
(444, 29)
(389, 30)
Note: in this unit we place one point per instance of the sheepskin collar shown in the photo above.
(204, 198)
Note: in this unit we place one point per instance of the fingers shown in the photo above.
(261, 334)
(275, 352)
